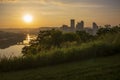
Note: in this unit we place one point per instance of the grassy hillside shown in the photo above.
(93, 60)
(105, 68)
(106, 45)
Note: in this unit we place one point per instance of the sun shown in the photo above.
(28, 18)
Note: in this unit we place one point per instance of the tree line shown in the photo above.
(50, 39)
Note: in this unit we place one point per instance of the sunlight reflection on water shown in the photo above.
(15, 50)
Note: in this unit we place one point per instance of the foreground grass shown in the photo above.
(105, 68)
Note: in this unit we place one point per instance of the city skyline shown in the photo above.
(57, 12)
(73, 26)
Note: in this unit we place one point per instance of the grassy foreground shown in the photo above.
(104, 68)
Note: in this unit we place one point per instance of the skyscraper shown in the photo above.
(72, 24)
(95, 28)
(80, 25)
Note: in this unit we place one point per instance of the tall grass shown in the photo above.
(106, 45)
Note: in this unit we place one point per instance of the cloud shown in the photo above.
(8, 1)
(51, 6)
(68, 3)
(85, 3)
(63, 3)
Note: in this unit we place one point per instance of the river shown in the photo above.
(15, 50)
(12, 51)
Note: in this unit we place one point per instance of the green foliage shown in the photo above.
(48, 50)
(70, 37)
(84, 36)
(50, 39)
(106, 30)
(56, 38)
(106, 46)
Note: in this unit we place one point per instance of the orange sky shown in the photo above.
(57, 12)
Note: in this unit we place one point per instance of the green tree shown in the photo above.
(45, 41)
(106, 30)
(56, 38)
(84, 36)
(70, 37)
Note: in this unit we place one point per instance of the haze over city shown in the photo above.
(57, 12)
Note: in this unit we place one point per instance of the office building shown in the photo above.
(72, 24)
(80, 25)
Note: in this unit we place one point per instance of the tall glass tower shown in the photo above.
(72, 24)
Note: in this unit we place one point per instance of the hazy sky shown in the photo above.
(58, 12)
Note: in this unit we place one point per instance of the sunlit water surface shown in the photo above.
(12, 51)
(15, 50)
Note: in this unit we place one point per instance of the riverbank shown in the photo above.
(8, 39)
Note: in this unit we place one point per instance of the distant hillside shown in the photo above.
(9, 38)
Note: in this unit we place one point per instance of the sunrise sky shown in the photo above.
(57, 12)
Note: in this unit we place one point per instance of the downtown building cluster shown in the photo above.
(80, 27)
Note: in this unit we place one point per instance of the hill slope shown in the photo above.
(106, 68)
